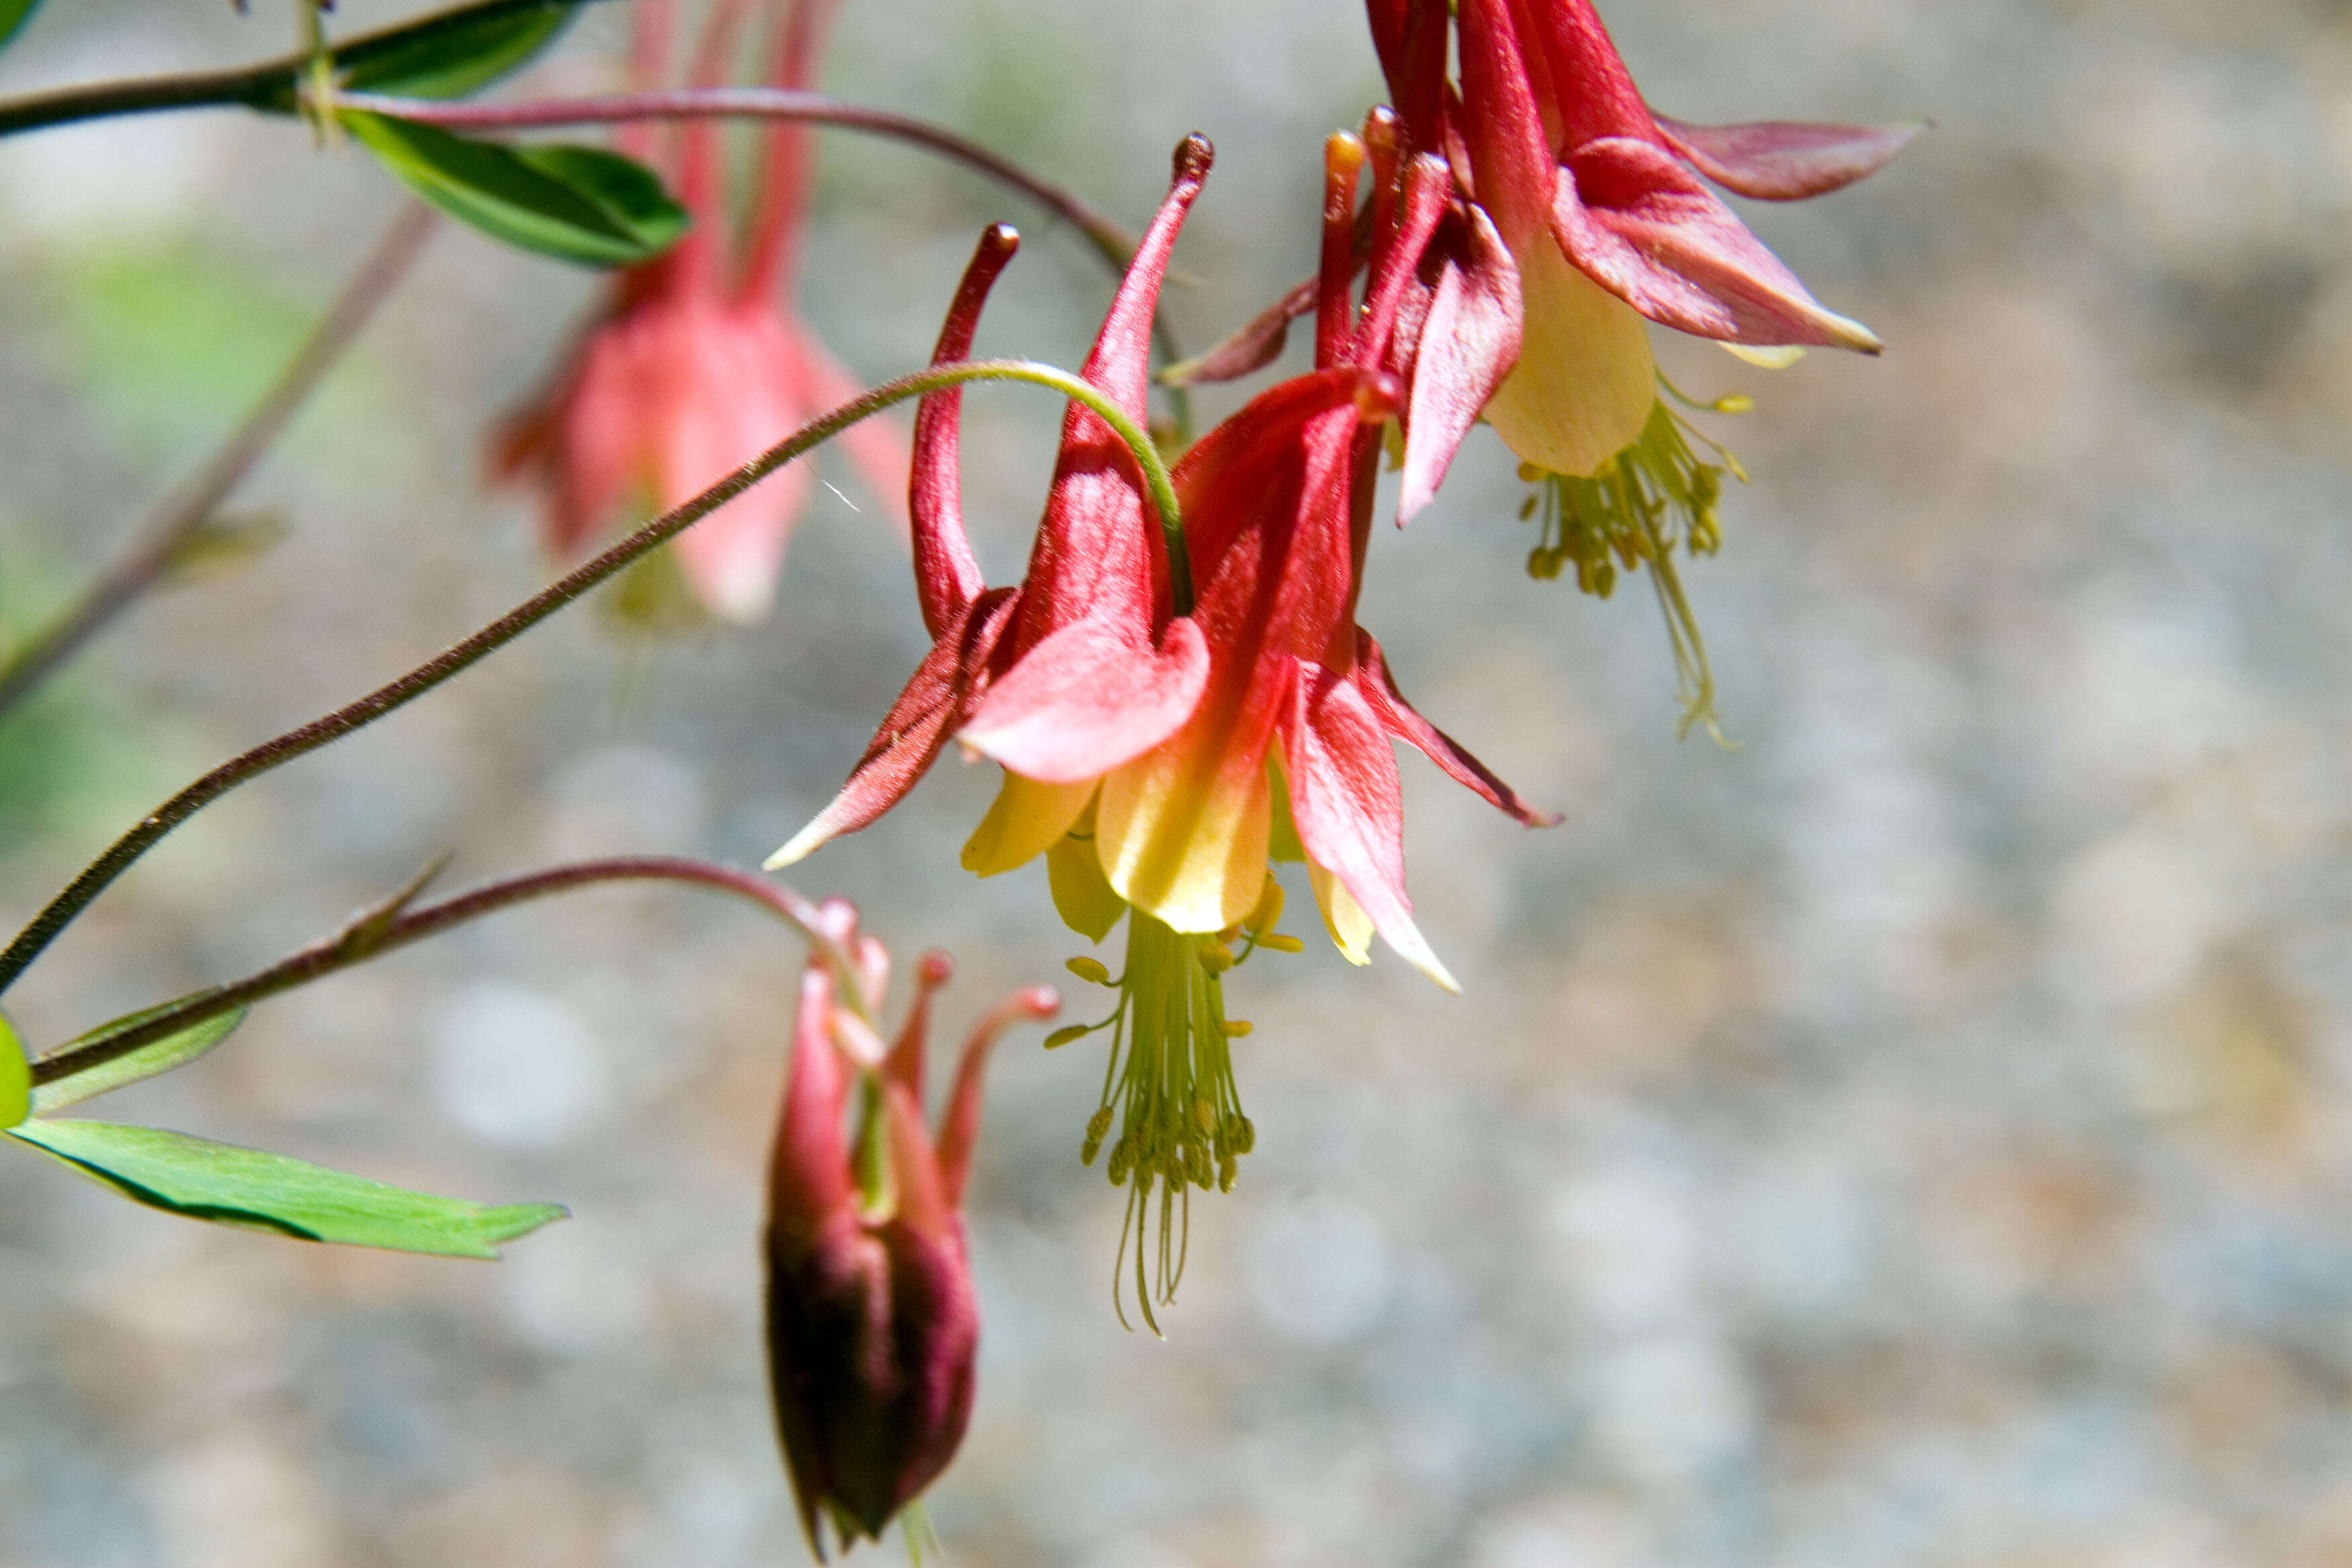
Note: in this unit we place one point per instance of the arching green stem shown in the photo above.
(125, 851)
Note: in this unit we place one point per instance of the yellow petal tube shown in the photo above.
(1585, 380)
(1183, 836)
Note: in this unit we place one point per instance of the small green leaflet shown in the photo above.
(13, 14)
(465, 55)
(157, 1057)
(16, 1078)
(221, 1183)
(576, 204)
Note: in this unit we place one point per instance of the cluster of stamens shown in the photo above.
(1169, 1084)
(1636, 509)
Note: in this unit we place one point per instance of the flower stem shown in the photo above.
(269, 87)
(125, 851)
(1115, 243)
(184, 513)
(367, 939)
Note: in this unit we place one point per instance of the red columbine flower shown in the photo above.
(872, 1322)
(1081, 667)
(1604, 210)
(696, 365)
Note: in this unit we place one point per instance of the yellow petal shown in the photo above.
(1026, 819)
(1350, 927)
(1180, 842)
(1584, 386)
(1082, 894)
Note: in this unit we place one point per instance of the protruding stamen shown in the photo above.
(1634, 511)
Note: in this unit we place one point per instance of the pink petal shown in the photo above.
(808, 1177)
(1090, 698)
(1643, 227)
(1092, 555)
(1784, 161)
(1468, 343)
(915, 729)
(1378, 689)
(960, 1128)
(1350, 812)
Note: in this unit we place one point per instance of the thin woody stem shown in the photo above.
(182, 514)
(125, 852)
(1115, 243)
(269, 87)
(367, 940)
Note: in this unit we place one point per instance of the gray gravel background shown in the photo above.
(1920, 1137)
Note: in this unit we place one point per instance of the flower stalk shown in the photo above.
(119, 857)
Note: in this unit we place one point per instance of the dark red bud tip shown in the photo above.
(999, 240)
(1382, 130)
(1194, 156)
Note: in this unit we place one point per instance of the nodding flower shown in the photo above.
(1602, 203)
(872, 1321)
(696, 362)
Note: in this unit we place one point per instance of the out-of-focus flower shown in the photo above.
(697, 364)
(872, 1322)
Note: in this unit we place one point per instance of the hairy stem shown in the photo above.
(177, 519)
(125, 851)
(368, 940)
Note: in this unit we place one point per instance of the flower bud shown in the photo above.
(873, 1324)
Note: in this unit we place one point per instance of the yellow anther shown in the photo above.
(1064, 1036)
(1216, 957)
(1236, 1028)
(1087, 968)
(1281, 943)
(1530, 473)
(1204, 1116)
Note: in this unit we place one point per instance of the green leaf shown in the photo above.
(157, 1057)
(16, 1078)
(13, 14)
(576, 204)
(464, 56)
(198, 1179)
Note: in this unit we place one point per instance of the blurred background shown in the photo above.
(1921, 1135)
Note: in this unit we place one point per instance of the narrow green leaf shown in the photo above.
(576, 204)
(225, 1185)
(157, 1057)
(16, 1078)
(13, 14)
(465, 57)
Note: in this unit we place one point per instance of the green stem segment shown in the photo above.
(369, 938)
(125, 852)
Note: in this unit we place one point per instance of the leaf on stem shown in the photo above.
(575, 203)
(222, 1184)
(13, 14)
(16, 1078)
(451, 61)
(147, 1061)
